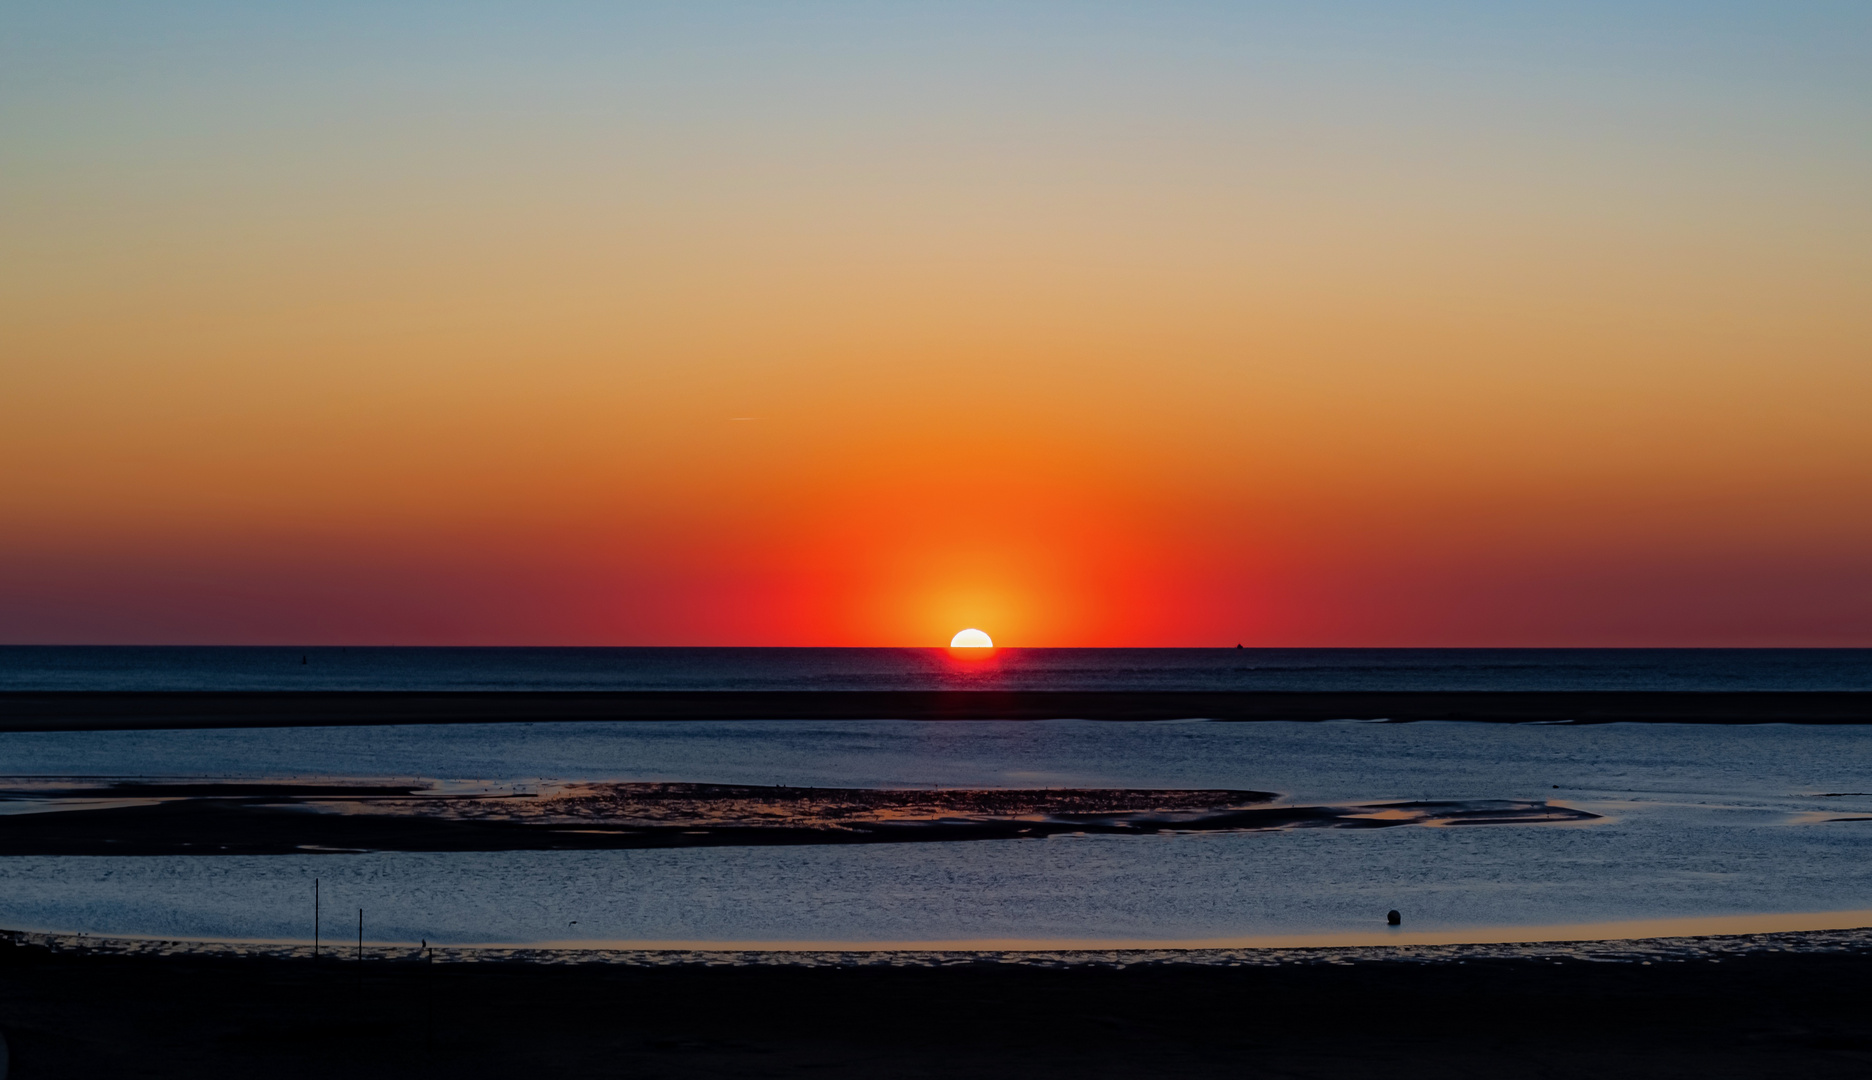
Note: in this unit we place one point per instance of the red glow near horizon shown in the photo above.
(971, 655)
(1178, 347)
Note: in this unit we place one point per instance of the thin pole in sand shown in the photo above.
(315, 918)
(357, 997)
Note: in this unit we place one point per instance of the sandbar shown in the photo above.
(247, 818)
(123, 710)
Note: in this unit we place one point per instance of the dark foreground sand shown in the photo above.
(1764, 1014)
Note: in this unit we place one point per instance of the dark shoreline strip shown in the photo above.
(1716, 1013)
(115, 710)
(1118, 956)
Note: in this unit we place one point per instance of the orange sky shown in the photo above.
(823, 332)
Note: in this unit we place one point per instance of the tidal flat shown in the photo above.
(836, 831)
(128, 818)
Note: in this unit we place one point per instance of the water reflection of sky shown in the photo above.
(1705, 822)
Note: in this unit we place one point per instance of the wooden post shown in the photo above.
(360, 935)
(315, 918)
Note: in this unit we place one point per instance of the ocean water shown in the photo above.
(269, 668)
(1696, 822)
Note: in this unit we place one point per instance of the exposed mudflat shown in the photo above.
(201, 818)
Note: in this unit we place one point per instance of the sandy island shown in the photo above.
(202, 818)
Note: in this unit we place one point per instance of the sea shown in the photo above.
(328, 668)
(1764, 826)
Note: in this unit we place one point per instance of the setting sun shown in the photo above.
(971, 639)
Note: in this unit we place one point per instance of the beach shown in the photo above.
(1777, 1005)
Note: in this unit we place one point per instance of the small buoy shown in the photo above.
(1392, 918)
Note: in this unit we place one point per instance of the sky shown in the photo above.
(1439, 324)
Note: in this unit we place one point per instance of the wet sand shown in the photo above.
(1700, 1013)
(201, 818)
(103, 711)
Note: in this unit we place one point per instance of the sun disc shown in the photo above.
(971, 639)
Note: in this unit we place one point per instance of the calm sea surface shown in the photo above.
(185, 668)
(1697, 821)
